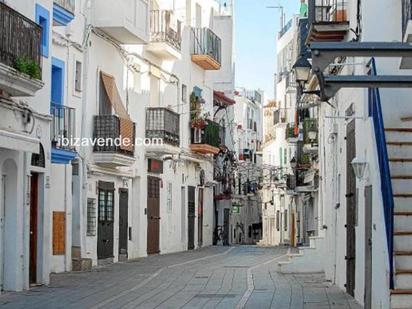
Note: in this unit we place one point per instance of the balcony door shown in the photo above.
(106, 218)
(153, 214)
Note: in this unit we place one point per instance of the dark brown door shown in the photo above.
(191, 218)
(34, 198)
(123, 221)
(106, 218)
(350, 209)
(153, 214)
(226, 228)
(200, 218)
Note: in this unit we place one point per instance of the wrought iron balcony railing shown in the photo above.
(212, 134)
(164, 29)
(406, 14)
(20, 42)
(163, 123)
(290, 131)
(107, 127)
(206, 43)
(325, 11)
(310, 131)
(68, 5)
(63, 125)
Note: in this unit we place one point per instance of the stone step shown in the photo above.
(402, 185)
(398, 134)
(403, 203)
(403, 279)
(403, 259)
(403, 221)
(403, 241)
(400, 168)
(401, 299)
(399, 149)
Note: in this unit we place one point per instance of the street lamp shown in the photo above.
(359, 167)
(302, 69)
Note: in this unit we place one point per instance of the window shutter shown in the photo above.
(59, 233)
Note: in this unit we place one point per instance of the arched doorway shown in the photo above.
(8, 221)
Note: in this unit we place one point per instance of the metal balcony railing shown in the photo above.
(206, 42)
(212, 134)
(163, 28)
(63, 125)
(406, 14)
(163, 123)
(310, 131)
(68, 5)
(20, 42)
(324, 11)
(279, 116)
(290, 131)
(107, 127)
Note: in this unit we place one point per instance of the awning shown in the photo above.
(126, 124)
(220, 99)
(16, 141)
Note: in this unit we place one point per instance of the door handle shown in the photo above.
(349, 195)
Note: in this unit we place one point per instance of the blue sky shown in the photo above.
(255, 40)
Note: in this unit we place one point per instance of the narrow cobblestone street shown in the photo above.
(215, 277)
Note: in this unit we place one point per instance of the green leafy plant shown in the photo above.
(29, 67)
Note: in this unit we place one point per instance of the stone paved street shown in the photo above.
(216, 277)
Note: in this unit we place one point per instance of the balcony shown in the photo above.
(20, 57)
(62, 130)
(310, 135)
(206, 49)
(406, 62)
(127, 21)
(290, 133)
(162, 124)
(110, 151)
(165, 35)
(63, 11)
(208, 139)
(328, 21)
(279, 116)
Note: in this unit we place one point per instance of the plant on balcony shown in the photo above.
(304, 159)
(200, 121)
(29, 67)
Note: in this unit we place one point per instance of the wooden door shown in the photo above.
(200, 218)
(123, 221)
(106, 218)
(34, 198)
(350, 209)
(191, 218)
(153, 214)
(368, 247)
(2, 222)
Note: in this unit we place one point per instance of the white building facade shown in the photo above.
(149, 69)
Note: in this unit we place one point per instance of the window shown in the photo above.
(106, 205)
(91, 217)
(286, 220)
(78, 76)
(43, 19)
(57, 81)
(184, 93)
(169, 196)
